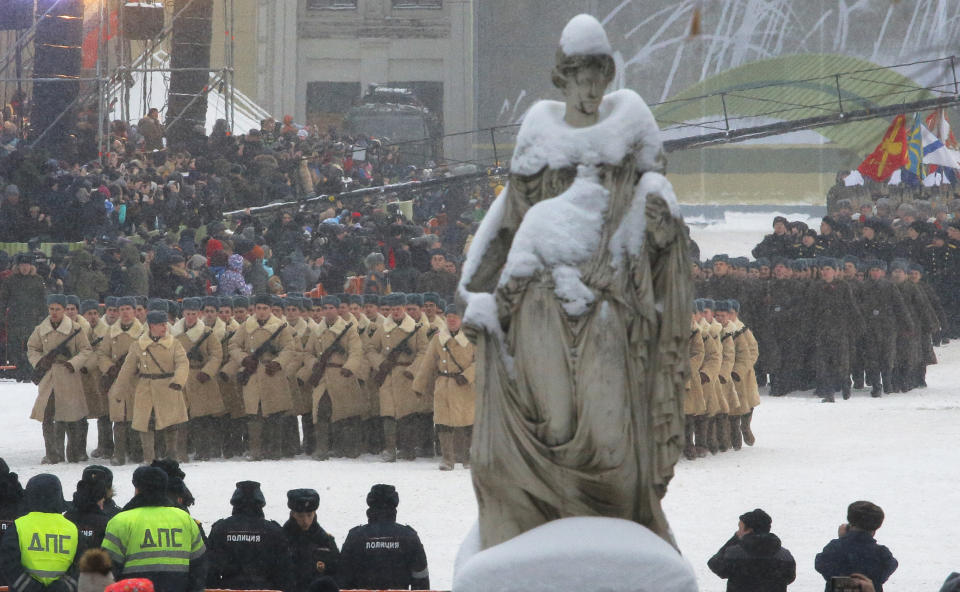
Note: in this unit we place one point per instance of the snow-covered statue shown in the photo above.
(579, 296)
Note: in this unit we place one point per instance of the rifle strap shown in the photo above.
(150, 353)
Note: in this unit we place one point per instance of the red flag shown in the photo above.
(890, 155)
(938, 124)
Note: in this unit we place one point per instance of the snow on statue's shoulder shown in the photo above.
(625, 125)
(576, 554)
(584, 35)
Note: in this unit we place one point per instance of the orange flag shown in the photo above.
(890, 155)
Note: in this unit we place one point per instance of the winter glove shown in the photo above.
(250, 364)
(735, 376)
(272, 367)
(223, 377)
(84, 370)
(345, 372)
(69, 367)
(461, 380)
(300, 381)
(704, 379)
(203, 377)
(722, 380)
(176, 387)
(408, 375)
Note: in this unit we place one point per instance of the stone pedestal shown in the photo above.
(575, 555)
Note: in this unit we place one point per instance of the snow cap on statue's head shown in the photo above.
(584, 35)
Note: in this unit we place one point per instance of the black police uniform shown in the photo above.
(11, 504)
(91, 521)
(383, 555)
(246, 551)
(314, 551)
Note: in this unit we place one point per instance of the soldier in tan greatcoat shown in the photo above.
(694, 404)
(735, 399)
(424, 436)
(392, 351)
(60, 404)
(449, 367)
(110, 357)
(706, 431)
(232, 425)
(743, 374)
(372, 424)
(293, 309)
(97, 406)
(262, 348)
(157, 365)
(333, 364)
(72, 312)
(202, 392)
(721, 420)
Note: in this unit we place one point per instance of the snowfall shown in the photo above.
(810, 461)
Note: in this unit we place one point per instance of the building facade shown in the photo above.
(316, 58)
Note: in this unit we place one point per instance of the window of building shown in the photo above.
(418, 3)
(331, 4)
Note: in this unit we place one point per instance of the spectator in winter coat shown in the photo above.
(135, 277)
(404, 276)
(231, 280)
(753, 560)
(856, 550)
(12, 505)
(87, 512)
(294, 273)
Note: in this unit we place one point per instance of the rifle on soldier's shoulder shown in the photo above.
(44, 364)
(194, 354)
(321, 366)
(110, 376)
(244, 377)
(391, 361)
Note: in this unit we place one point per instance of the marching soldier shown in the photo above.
(262, 347)
(435, 322)
(705, 428)
(233, 424)
(332, 366)
(883, 309)
(241, 309)
(110, 357)
(726, 394)
(291, 445)
(372, 424)
(110, 311)
(746, 353)
(422, 421)
(204, 402)
(97, 406)
(211, 316)
(57, 349)
(157, 364)
(391, 352)
(694, 403)
(448, 367)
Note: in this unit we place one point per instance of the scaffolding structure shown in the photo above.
(108, 87)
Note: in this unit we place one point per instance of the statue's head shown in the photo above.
(585, 65)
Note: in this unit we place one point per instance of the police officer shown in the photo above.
(40, 550)
(87, 512)
(247, 551)
(151, 540)
(381, 554)
(11, 504)
(102, 473)
(313, 551)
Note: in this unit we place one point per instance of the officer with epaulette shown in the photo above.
(381, 554)
(313, 551)
(246, 551)
(40, 550)
(149, 539)
(12, 505)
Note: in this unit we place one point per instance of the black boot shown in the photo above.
(689, 451)
(845, 388)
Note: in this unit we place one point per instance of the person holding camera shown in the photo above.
(753, 560)
(856, 551)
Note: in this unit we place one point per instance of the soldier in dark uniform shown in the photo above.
(807, 247)
(885, 314)
(381, 554)
(837, 319)
(246, 551)
(872, 243)
(941, 261)
(829, 240)
(777, 244)
(314, 552)
(778, 301)
(907, 372)
(25, 295)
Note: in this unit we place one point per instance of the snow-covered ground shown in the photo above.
(810, 461)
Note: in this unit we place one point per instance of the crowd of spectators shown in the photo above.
(151, 220)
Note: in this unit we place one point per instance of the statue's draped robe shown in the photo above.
(582, 415)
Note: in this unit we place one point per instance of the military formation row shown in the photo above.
(235, 375)
(836, 326)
